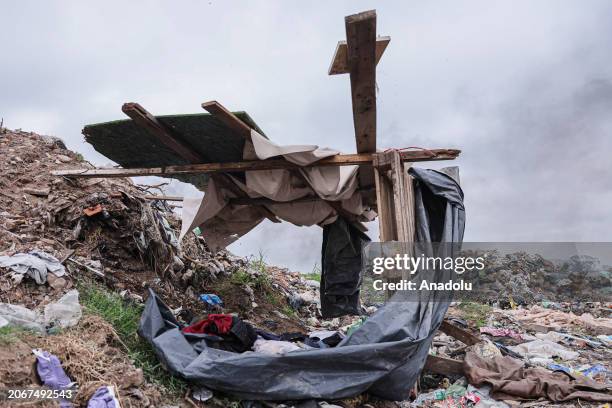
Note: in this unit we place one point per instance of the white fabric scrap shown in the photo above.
(36, 264)
(222, 223)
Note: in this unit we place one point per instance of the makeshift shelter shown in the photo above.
(248, 178)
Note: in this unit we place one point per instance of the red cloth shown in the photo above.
(214, 324)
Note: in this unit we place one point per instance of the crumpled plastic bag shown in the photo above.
(544, 349)
(64, 313)
(274, 346)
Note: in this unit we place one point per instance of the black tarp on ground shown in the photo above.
(341, 268)
(383, 357)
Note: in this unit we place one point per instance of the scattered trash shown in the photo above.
(64, 313)
(274, 347)
(496, 332)
(543, 349)
(51, 373)
(35, 264)
(211, 299)
(104, 397)
(201, 394)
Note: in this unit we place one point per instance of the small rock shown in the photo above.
(56, 282)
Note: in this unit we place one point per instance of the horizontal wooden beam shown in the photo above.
(339, 63)
(361, 159)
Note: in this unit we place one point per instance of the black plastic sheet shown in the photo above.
(384, 356)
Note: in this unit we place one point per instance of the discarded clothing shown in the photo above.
(51, 373)
(224, 332)
(274, 347)
(64, 313)
(214, 324)
(341, 269)
(35, 264)
(510, 380)
(104, 397)
(383, 357)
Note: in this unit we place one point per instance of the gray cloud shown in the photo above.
(523, 88)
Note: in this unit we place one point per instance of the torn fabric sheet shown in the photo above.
(510, 380)
(222, 222)
(36, 264)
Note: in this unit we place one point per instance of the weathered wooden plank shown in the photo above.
(363, 159)
(160, 132)
(361, 58)
(443, 365)
(163, 198)
(462, 335)
(228, 118)
(339, 63)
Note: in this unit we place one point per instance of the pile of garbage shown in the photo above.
(524, 356)
(525, 278)
(58, 234)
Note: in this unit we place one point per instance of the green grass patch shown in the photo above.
(314, 275)
(124, 317)
(9, 334)
(475, 312)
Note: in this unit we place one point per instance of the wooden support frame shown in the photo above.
(361, 64)
(395, 203)
(363, 159)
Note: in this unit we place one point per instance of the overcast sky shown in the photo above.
(523, 88)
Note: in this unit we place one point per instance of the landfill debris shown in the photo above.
(35, 264)
(511, 381)
(104, 397)
(201, 394)
(65, 312)
(211, 300)
(274, 347)
(128, 244)
(501, 332)
(52, 375)
(541, 350)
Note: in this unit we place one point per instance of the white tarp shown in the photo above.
(222, 223)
